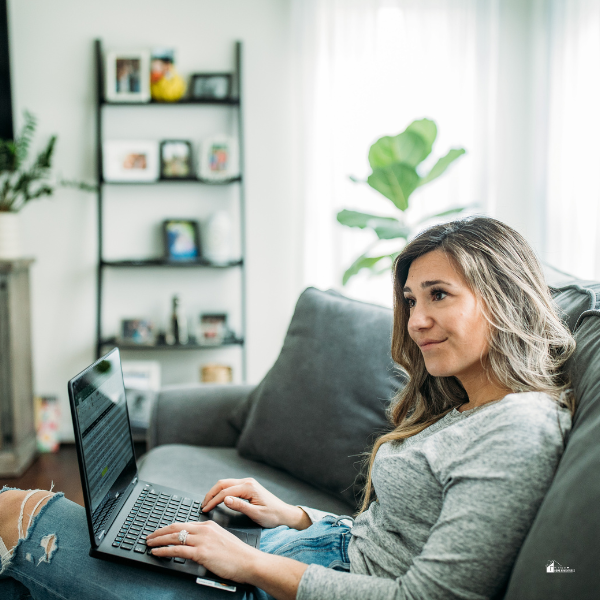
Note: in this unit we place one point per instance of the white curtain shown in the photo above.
(573, 158)
(368, 68)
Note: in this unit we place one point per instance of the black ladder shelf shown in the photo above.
(234, 103)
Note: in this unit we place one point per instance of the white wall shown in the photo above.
(53, 76)
(520, 143)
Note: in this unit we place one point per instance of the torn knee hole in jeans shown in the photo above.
(50, 545)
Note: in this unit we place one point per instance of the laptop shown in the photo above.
(122, 509)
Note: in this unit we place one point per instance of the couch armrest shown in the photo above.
(196, 415)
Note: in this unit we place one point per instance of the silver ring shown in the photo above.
(183, 536)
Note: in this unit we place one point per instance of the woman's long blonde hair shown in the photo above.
(528, 342)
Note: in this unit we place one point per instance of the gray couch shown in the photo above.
(302, 432)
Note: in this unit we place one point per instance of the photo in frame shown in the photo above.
(137, 332)
(126, 161)
(219, 158)
(210, 86)
(181, 239)
(176, 159)
(212, 329)
(127, 76)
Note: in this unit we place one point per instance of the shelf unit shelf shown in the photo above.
(178, 180)
(182, 102)
(234, 103)
(163, 263)
(114, 342)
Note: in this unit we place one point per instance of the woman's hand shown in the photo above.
(209, 545)
(262, 507)
(224, 555)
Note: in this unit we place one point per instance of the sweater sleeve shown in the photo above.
(492, 488)
(314, 514)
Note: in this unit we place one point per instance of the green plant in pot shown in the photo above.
(396, 164)
(21, 183)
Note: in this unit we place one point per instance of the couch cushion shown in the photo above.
(573, 299)
(324, 400)
(567, 526)
(196, 469)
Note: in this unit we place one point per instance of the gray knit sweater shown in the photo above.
(455, 503)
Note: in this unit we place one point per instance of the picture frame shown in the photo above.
(210, 86)
(127, 76)
(219, 158)
(212, 329)
(176, 159)
(137, 332)
(128, 160)
(181, 239)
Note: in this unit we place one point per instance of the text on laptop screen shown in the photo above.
(99, 398)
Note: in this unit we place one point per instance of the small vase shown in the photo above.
(10, 236)
(216, 242)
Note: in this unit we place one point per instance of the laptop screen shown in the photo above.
(102, 423)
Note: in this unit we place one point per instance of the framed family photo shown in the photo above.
(219, 158)
(137, 332)
(176, 159)
(127, 76)
(210, 86)
(127, 161)
(181, 239)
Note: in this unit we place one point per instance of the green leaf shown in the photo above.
(44, 159)
(386, 228)
(392, 231)
(387, 268)
(353, 218)
(7, 156)
(442, 164)
(396, 182)
(78, 185)
(427, 129)
(362, 262)
(407, 147)
(44, 190)
(411, 147)
(356, 179)
(24, 139)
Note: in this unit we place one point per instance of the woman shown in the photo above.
(452, 490)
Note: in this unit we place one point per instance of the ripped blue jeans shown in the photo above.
(52, 562)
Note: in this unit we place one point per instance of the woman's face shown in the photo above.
(445, 318)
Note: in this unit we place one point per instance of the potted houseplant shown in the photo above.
(396, 173)
(21, 183)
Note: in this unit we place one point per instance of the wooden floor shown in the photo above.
(60, 468)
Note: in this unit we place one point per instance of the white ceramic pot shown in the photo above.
(10, 236)
(216, 242)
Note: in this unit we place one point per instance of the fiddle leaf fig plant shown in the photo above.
(396, 173)
(19, 183)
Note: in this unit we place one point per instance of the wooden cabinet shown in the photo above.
(17, 431)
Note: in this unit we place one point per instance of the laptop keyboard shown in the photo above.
(103, 514)
(153, 510)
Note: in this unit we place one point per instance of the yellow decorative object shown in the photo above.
(166, 85)
(169, 88)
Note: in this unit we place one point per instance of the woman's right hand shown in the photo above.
(262, 507)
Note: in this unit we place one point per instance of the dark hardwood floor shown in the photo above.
(60, 468)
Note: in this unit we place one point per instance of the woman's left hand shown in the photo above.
(207, 544)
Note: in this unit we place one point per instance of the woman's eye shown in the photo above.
(409, 302)
(436, 294)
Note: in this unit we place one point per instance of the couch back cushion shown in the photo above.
(567, 527)
(323, 402)
(573, 299)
